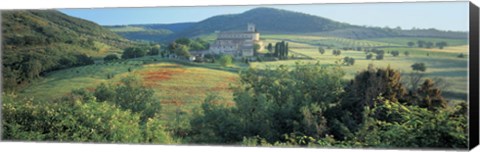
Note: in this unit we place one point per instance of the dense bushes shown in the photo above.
(309, 105)
(125, 113)
(110, 57)
(80, 121)
(20, 69)
(130, 95)
(271, 103)
(225, 60)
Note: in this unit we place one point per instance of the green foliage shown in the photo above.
(123, 113)
(419, 67)
(369, 56)
(35, 42)
(421, 43)
(217, 124)
(225, 60)
(270, 103)
(348, 61)
(281, 50)
(321, 50)
(110, 57)
(24, 68)
(134, 52)
(429, 44)
(395, 53)
(428, 96)
(154, 50)
(411, 44)
(361, 92)
(130, 95)
(179, 49)
(256, 48)
(336, 52)
(441, 44)
(70, 121)
(270, 48)
(380, 55)
(413, 127)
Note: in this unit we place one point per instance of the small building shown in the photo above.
(192, 58)
(237, 44)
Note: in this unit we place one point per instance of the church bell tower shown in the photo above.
(251, 27)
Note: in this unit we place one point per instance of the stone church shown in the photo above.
(237, 44)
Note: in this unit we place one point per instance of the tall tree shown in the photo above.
(270, 47)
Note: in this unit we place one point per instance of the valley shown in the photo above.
(320, 83)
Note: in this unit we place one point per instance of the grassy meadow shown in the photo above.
(181, 87)
(184, 86)
(441, 63)
(177, 86)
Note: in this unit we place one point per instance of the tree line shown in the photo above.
(428, 44)
(280, 50)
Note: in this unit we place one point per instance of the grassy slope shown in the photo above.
(175, 84)
(58, 28)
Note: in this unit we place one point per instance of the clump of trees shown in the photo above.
(395, 53)
(336, 52)
(134, 52)
(179, 49)
(348, 61)
(428, 44)
(225, 60)
(441, 45)
(380, 55)
(411, 44)
(369, 56)
(321, 50)
(267, 104)
(182, 46)
(154, 50)
(312, 106)
(419, 67)
(21, 69)
(110, 57)
(281, 50)
(270, 48)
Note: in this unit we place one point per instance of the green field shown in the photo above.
(404, 40)
(175, 84)
(185, 85)
(441, 63)
(328, 41)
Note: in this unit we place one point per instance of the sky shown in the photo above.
(451, 16)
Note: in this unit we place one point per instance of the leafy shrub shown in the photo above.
(70, 121)
(110, 57)
(225, 60)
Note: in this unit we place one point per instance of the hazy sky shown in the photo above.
(439, 15)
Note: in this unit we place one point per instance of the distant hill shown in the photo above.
(149, 32)
(277, 21)
(38, 41)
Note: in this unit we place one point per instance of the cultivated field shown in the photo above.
(441, 63)
(182, 86)
(175, 84)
